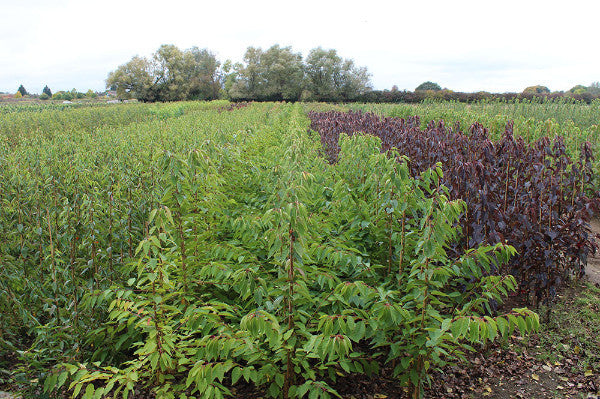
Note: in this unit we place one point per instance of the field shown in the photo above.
(207, 249)
(533, 119)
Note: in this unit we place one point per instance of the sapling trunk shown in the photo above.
(183, 254)
(417, 388)
(506, 186)
(40, 235)
(110, 231)
(130, 239)
(516, 188)
(390, 247)
(466, 229)
(21, 238)
(416, 393)
(56, 214)
(73, 231)
(391, 231)
(289, 372)
(93, 248)
(402, 237)
(156, 321)
(52, 259)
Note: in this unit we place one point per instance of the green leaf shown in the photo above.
(236, 373)
(89, 391)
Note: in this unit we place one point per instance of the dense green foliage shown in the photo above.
(274, 74)
(331, 78)
(47, 91)
(22, 90)
(180, 248)
(538, 89)
(27, 107)
(169, 75)
(531, 195)
(428, 86)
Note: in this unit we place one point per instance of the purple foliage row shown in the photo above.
(532, 196)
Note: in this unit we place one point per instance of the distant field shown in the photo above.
(576, 122)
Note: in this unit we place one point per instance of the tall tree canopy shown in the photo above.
(539, 89)
(428, 86)
(133, 79)
(594, 88)
(169, 75)
(202, 71)
(332, 78)
(274, 74)
(22, 90)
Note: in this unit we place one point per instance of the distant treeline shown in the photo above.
(418, 96)
(280, 74)
(275, 74)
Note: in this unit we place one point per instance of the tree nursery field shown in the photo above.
(216, 249)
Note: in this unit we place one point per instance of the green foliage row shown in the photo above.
(186, 253)
(21, 126)
(76, 189)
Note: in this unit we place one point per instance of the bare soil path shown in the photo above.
(592, 270)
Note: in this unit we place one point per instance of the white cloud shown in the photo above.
(462, 45)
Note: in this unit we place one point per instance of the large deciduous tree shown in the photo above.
(539, 89)
(202, 74)
(133, 79)
(428, 86)
(329, 77)
(169, 75)
(594, 88)
(275, 74)
(283, 73)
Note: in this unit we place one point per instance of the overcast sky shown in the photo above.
(487, 45)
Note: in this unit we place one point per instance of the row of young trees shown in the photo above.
(277, 73)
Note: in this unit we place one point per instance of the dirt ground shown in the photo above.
(592, 270)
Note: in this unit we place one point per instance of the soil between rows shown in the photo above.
(592, 269)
